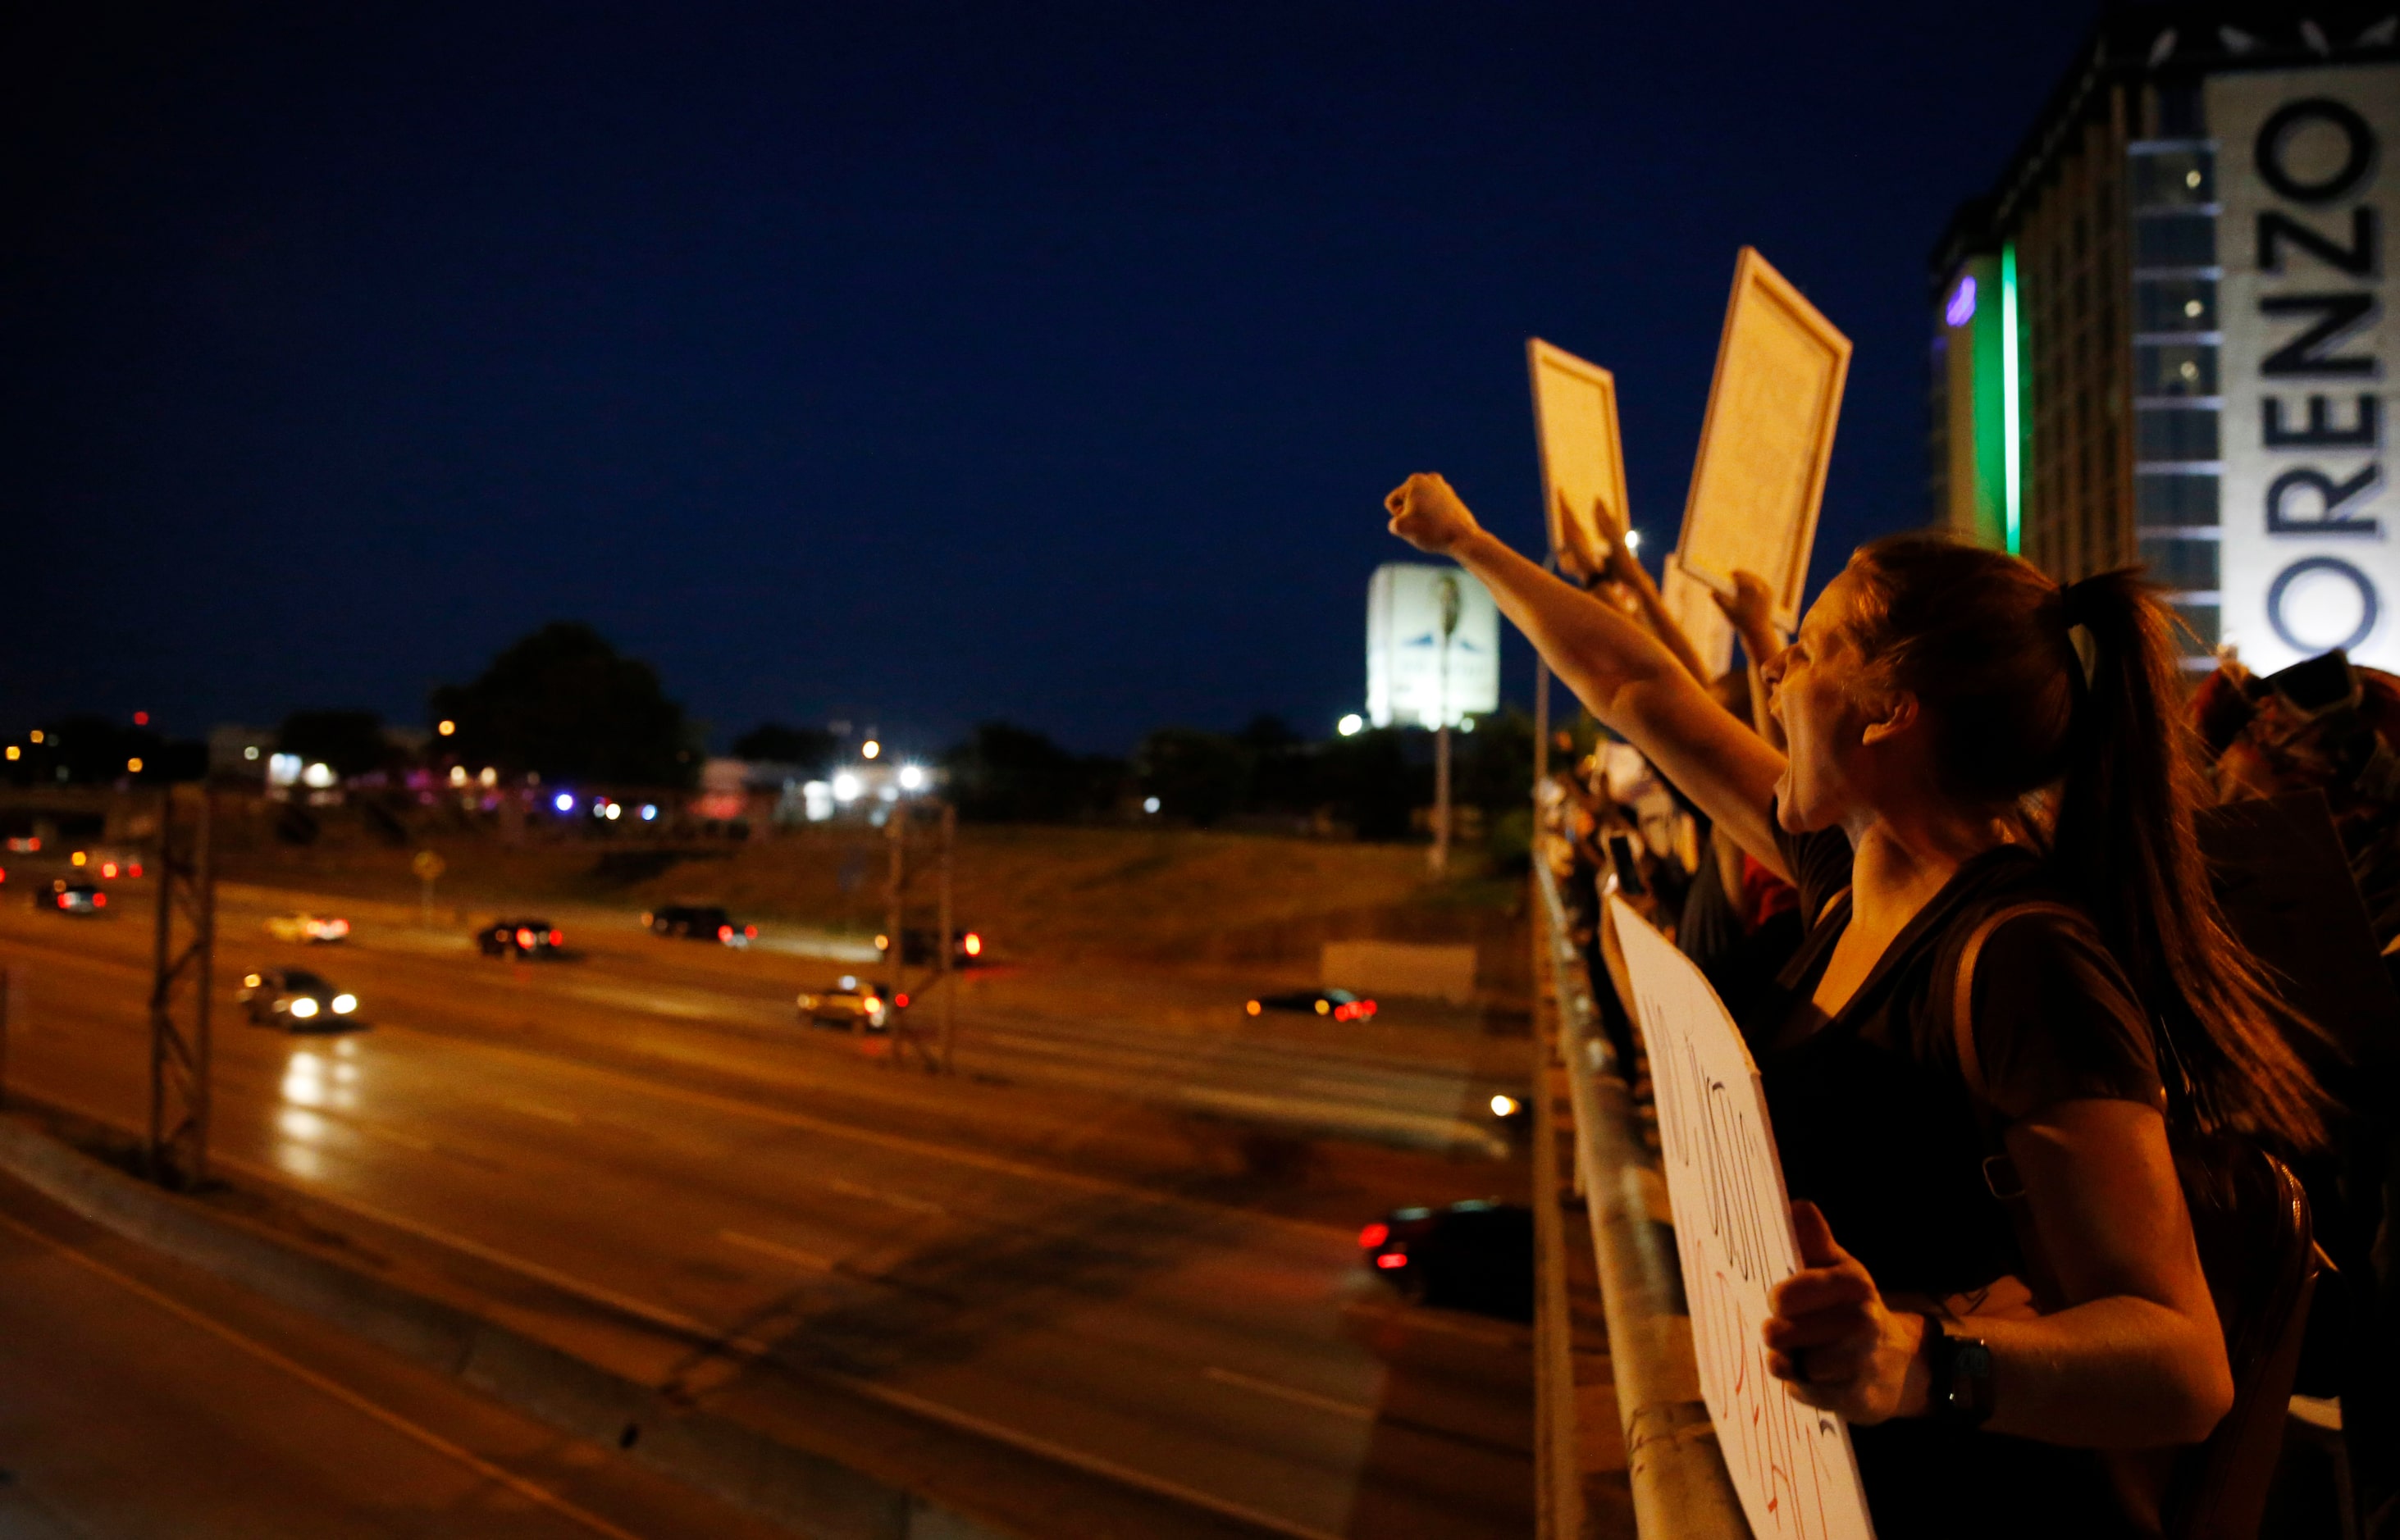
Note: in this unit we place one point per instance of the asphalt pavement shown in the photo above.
(647, 1127)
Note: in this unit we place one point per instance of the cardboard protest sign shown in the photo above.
(1792, 1465)
(1693, 606)
(1574, 421)
(1767, 439)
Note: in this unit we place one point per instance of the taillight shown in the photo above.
(108, 868)
(99, 901)
(1390, 1260)
(725, 933)
(524, 940)
(1374, 1235)
(134, 870)
(974, 945)
(750, 932)
(558, 937)
(62, 901)
(900, 1001)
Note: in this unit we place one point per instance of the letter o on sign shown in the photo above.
(2312, 587)
(2275, 138)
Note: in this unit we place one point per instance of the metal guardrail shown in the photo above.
(1680, 1487)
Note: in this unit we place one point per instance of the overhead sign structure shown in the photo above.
(1433, 646)
(1583, 461)
(1792, 1465)
(1767, 439)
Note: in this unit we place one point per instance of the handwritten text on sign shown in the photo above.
(1792, 1465)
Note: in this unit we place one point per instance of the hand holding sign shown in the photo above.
(1832, 1339)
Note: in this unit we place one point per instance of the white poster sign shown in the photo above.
(2311, 355)
(1433, 646)
(1583, 465)
(1792, 1465)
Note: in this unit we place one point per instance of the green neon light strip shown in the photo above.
(2010, 473)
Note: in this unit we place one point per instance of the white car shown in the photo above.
(295, 999)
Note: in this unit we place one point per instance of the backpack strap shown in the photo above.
(1962, 997)
(2000, 1171)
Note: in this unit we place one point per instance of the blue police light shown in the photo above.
(650, 812)
(564, 802)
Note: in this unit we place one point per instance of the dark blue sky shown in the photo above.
(919, 363)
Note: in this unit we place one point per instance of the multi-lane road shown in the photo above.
(1054, 1253)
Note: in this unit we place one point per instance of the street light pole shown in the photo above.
(948, 984)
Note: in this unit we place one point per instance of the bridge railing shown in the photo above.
(1674, 1469)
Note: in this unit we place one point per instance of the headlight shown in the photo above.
(1504, 1107)
(304, 1007)
(345, 1004)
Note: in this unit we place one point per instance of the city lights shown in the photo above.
(845, 787)
(447, 727)
(1350, 726)
(1149, 804)
(134, 765)
(564, 802)
(1633, 539)
(457, 776)
(869, 749)
(141, 718)
(14, 752)
(649, 813)
(912, 777)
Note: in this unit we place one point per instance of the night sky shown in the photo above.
(911, 363)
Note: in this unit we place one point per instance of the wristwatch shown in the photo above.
(1959, 1375)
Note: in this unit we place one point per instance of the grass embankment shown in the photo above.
(1047, 893)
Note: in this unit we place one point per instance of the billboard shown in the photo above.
(2310, 558)
(1433, 646)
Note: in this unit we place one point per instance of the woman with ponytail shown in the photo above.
(1965, 737)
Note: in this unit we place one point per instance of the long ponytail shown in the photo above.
(2069, 698)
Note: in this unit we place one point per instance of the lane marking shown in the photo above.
(531, 1491)
(773, 1248)
(1292, 1393)
(534, 1109)
(896, 1200)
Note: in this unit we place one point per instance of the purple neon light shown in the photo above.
(1961, 308)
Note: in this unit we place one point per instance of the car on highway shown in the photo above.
(699, 922)
(295, 999)
(311, 929)
(521, 938)
(1339, 1005)
(918, 944)
(1475, 1255)
(71, 896)
(851, 1005)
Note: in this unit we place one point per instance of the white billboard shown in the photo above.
(1433, 646)
(2310, 558)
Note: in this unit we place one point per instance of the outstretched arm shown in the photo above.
(1621, 672)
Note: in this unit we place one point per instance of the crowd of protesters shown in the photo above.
(1946, 856)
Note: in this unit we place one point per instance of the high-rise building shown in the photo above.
(2164, 335)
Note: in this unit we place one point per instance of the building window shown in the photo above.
(2175, 501)
(2182, 239)
(2174, 369)
(2181, 564)
(2170, 304)
(2176, 434)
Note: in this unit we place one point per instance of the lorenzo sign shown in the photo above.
(2312, 555)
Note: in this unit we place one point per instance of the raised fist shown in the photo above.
(1428, 514)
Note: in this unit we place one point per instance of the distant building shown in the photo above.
(2163, 335)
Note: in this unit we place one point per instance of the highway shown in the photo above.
(1060, 1263)
(141, 1399)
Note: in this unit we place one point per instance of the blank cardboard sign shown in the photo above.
(1574, 421)
(1692, 607)
(1767, 439)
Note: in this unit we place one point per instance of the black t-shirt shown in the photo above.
(1874, 1125)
